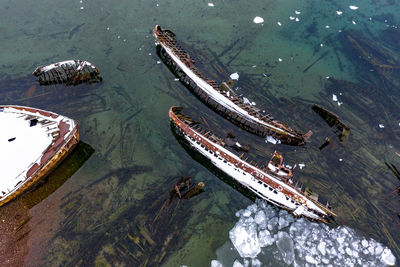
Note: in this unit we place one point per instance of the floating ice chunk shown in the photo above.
(260, 217)
(322, 248)
(119, 36)
(378, 250)
(81, 7)
(353, 22)
(321, 45)
(364, 243)
(158, 61)
(285, 245)
(381, 126)
(280, 60)
(349, 251)
(388, 257)
(297, 19)
(108, 28)
(291, 18)
(282, 223)
(339, 12)
(258, 20)
(215, 263)
(234, 76)
(255, 263)
(272, 140)
(339, 103)
(237, 264)
(311, 260)
(244, 238)
(327, 26)
(353, 7)
(279, 23)
(157, 4)
(210, 4)
(297, 12)
(246, 213)
(301, 165)
(253, 103)
(340, 159)
(265, 238)
(176, 79)
(334, 97)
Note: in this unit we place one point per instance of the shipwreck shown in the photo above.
(69, 72)
(221, 98)
(33, 142)
(272, 181)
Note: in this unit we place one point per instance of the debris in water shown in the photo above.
(332, 120)
(70, 72)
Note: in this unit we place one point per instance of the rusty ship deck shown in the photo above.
(221, 99)
(268, 183)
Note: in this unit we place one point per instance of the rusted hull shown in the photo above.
(220, 98)
(51, 157)
(263, 183)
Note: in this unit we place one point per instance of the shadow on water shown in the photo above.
(14, 216)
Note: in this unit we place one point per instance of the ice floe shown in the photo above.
(279, 23)
(297, 12)
(272, 140)
(267, 236)
(234, 76)
(210, 4)
(353, 22)
(334, 97)
(339, 12)
(258, 20)
(381, 126)
(353, 7)
(297, 19)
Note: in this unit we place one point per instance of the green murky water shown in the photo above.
(115, 210)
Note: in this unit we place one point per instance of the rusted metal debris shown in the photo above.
(272, 181)
(184, 189)
(221, 98)
(332, 120)
(70, 72)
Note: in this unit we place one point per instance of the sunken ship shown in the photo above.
(33, 142)
(221, 98)
(272, 182)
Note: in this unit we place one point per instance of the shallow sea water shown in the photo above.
(116, 209)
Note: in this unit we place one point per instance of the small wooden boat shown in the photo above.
(32, 143)
(221, 98)
(272, 182)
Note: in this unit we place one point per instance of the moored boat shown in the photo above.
(32, 143)
(222, 98)
(273, 182)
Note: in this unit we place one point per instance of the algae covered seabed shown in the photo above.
(116, 209)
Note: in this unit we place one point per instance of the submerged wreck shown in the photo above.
(222, 98)
(69, 72)
(272, 182)
(33, 142)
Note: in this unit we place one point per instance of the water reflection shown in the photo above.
(14, 216)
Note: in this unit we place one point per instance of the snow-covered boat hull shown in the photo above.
(263, 183)
(33, 142)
